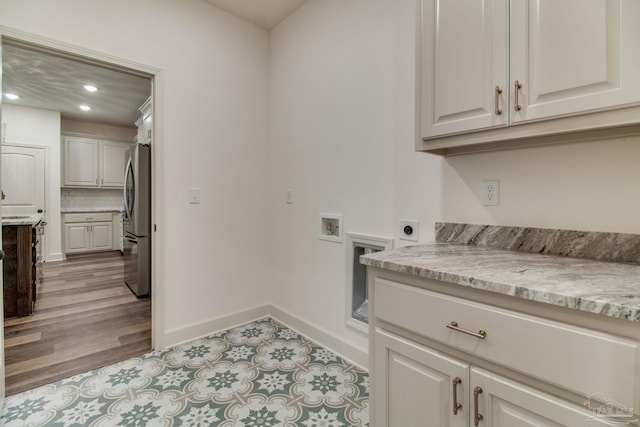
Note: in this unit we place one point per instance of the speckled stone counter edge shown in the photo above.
(611, 247)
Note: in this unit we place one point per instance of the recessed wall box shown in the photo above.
(357, 298)
(331, 227)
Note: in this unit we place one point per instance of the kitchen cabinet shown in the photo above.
(423, 387)
(439, 359)
(21, 268)
(88, 232)
(144, 123)
(463, 58)
(494, 64)
(93, 163)
(415, 385)
(118, 232)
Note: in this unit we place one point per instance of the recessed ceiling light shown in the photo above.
(11, 96)
(85, 108)
(90, 88)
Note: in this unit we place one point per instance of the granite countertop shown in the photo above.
(606, 288)
(90, 210)
(22, 219)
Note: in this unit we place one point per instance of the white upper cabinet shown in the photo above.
(490, 64)
(463, 59)
(112, 164)
(80, 162)
(92, 163)
(573, 56)
(144, 123)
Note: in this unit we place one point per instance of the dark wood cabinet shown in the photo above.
(19, 272)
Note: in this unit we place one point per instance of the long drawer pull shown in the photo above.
(476, 416)
(456, 405)
(480, 334)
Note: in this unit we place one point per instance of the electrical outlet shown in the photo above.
(194, 196)
(490, 193)
(409, 229)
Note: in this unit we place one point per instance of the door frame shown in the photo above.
(156, 76)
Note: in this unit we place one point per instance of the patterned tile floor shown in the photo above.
(261, 374)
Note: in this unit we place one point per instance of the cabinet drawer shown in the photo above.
(577, 359)
(87, 217)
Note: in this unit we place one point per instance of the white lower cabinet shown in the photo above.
(88, 232)
(439, 360)
(418, 386)
(502, 402)
(414, 385)
(87, 237)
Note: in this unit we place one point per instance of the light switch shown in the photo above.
(194, 196)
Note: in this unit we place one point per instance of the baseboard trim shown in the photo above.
(59, 256)
(347, 351)
(194, 331)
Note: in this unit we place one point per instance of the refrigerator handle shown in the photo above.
(126, 178)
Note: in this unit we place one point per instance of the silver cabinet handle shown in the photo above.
(456, 405)
(476, 416)
(516, 88)
(480, 334)
(96, 181)
(496, 102)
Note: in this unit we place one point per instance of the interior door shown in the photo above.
(23, 183)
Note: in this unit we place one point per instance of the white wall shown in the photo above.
(342, 133)
(342, 128)
(584, 186)
(211, 133)
(33, 126)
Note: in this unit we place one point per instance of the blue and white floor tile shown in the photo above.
(261, 374)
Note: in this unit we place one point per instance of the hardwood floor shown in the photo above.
(85, 318)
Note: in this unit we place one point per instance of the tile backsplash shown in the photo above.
(88, 198)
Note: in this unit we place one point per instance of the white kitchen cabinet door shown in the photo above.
(145, 123)
(503, 403)
(414, 385)
(462, 58)
(112, 164)
(76, 237)
(81, 162)
(101, 236)
(573, 56)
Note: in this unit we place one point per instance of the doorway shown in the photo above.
(88, 280)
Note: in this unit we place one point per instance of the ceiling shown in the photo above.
(264, 13)
(52, 81)
(55, 82)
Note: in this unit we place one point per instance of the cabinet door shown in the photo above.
(413, 385)
(573, 56)
(101, 236)
(81, 162)
(112, 164)
(76, 237)
(503, 402)
(463, 56)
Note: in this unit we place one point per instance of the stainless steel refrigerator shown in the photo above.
(137, 220)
